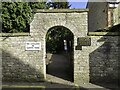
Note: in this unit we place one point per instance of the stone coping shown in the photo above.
(89, 34)
(103, 34)
(60, 10)
(13, 34)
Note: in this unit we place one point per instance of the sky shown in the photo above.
(78, 3)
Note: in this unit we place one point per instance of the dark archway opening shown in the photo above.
(60, 52)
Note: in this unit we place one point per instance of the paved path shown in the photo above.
(60, 67)
(53, 86)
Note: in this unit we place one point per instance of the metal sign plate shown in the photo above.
(84, 41)
(33, 46)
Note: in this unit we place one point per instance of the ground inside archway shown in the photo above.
(60, 69)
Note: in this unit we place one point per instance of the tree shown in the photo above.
(16, 16)
(55, 37)
(37, 5)
(58, 4)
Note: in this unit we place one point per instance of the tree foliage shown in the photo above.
(55, 37)
(16, 16)
(58, 4)
(37, 5)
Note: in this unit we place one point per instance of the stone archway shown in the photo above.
(60, 53)
(76, 22)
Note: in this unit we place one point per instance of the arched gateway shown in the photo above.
(95, 54)
(76, 22)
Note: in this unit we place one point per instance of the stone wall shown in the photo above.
(101, 16)
(116, 15)
(97, 15)
(75, 20)
(94, 63)
(104, 59)
(22, 65)
(18, 64)
(100, 61)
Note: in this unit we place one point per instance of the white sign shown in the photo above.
(33, 46)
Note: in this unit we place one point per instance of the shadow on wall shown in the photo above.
(14, 70)
(104, 61)
(119, 60)
(0, 26)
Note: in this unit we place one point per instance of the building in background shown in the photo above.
(103, 14)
